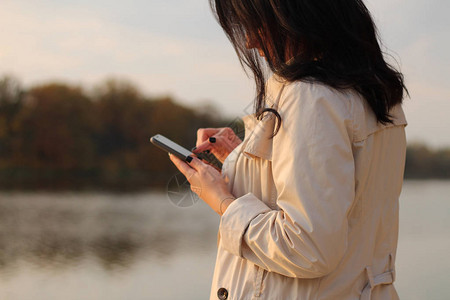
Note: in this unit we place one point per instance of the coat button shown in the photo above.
(222, 294)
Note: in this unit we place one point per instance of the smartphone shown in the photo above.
(173, 148)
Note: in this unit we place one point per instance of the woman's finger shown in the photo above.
(206, 145)
(227, 144)
(184, 168)
(197, 164)
(203, 134)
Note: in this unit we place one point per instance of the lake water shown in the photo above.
(104, 246)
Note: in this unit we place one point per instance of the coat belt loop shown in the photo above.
(392, 265)
(383, 278)
(258, 282)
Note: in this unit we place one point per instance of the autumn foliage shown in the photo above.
(58, 136)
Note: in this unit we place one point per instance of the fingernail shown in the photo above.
(207, 151)
(212, 139)
(189, 159)
(193, 149)
(168, 154)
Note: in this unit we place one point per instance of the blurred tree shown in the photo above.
(11, 99)
(124, 131)
(423, 162)
(55, 129)
(442, 163)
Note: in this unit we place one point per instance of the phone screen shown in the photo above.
(164, 143)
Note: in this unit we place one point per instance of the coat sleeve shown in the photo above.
(313, 170)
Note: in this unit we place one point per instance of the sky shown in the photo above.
(176, 48)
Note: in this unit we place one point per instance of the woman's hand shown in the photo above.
(219, 141)
(206, 182)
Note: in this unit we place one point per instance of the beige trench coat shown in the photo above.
(316, 214)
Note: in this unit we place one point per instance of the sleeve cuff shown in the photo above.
(235, 220)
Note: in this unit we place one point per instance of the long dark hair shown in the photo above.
(334, 42)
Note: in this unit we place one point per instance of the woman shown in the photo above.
(309, 200)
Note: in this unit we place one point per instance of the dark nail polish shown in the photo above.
(207, 151)
(212, 139)
(189, 159)
(193, 149)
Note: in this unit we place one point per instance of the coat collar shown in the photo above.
(258, 142)
(258, 133)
